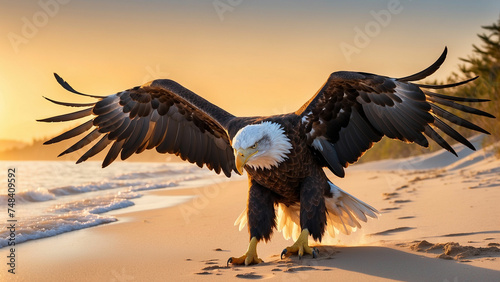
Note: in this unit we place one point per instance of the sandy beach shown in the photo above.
(112, 113)
(435, 225)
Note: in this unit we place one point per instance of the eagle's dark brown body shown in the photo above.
(298, 179)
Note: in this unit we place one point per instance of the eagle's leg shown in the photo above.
(312, 215)
(261, 221)
(250, 257)
(300, 247)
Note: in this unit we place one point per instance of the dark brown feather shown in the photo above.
(68, 117)
(98, 147)
(83, 142)
(428, 71)
(71, 133)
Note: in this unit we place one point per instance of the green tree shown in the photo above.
(485, 63)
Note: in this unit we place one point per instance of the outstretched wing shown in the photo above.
(161, 115)
(353, 110)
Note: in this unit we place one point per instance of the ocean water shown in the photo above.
(54, 197)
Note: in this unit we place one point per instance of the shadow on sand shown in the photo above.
(391, 263)
(380, 262)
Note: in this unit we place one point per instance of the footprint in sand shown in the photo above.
(400, 201)
(406, 217)
(389, 209)
(300, 268)
(389, 196)
(391, 231)
(250, 275)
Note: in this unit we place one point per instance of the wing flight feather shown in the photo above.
(161, 115)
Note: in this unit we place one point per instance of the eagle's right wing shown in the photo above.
(161, 115)
(353, 110)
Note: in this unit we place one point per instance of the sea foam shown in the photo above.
(58, 197)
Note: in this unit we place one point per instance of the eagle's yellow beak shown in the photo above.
(242, 157)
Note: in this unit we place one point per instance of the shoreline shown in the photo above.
(194, 239)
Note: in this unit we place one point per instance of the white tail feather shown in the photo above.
(345, 212)
(344, 215)
(242, 220)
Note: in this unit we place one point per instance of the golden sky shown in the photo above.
(249, 57)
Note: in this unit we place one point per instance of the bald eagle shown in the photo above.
(283, 155)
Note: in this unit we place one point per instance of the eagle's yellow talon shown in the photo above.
(300, 246)
(250, 257)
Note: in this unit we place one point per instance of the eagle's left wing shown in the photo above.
(353, 110)
(161, 114)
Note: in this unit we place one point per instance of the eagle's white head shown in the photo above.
(262, 145)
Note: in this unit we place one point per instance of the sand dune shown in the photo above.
(439, 224)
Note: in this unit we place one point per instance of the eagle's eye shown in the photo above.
(253, 146)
